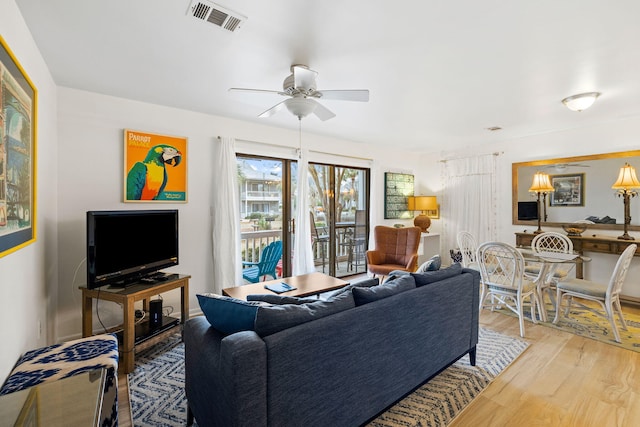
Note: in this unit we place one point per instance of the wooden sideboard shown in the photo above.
(582, 244)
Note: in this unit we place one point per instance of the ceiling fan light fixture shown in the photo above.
(300, 107)
(581, 101)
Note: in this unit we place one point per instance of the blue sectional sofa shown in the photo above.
(337, 367)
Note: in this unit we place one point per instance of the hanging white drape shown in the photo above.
(225, 217)
(469, 199)
(302, 250)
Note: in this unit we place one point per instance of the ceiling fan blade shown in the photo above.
(246, 90)
(271, 111)
(304, 78)
(361, 95)
(322, 112)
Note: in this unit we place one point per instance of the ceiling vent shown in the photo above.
(216, 14)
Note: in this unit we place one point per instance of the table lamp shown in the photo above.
(422, 204)
(625, 186)
(541, 186)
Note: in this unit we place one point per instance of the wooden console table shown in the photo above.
(582, 244)
(127, 297)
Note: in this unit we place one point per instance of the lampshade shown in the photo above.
(580, 102)
(411, 203)
(627, 179)
(425, 203)
(541, 183)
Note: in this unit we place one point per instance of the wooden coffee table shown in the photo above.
(306, 284)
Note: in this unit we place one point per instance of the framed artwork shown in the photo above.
(155, 168)
(397, 186)
(568, 190)
(18, 100)
(434, 214)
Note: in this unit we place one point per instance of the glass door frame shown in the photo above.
(330, 217)
(286, 200)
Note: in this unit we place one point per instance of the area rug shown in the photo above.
(156, 386)
(589, 325)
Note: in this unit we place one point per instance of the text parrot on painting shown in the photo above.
(146, 180)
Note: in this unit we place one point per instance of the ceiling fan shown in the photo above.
(302, 95)
(563, 166)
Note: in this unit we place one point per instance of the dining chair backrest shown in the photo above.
(468, 247)
(551, 241)
(314, 229)
(620, 270)
(500, 265)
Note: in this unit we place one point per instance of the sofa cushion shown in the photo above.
(435, 276)
(391, 287)
(432, 264)
(229, 315)
(279, 299)
(365, 283)
(272, 319)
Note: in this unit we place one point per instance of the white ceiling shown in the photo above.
(439, 72)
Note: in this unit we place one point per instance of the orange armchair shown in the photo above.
(396, 249)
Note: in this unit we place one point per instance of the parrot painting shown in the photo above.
(146, 180)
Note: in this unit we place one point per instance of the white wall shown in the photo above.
(618, 135)
(91, 178)
(28, 277)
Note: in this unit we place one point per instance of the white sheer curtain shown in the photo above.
(469, 198)
(302, 250)
(225, 217)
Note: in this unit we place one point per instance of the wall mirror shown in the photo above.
(583, 190)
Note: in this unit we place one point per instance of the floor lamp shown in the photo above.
(541, 186)
(626, 188)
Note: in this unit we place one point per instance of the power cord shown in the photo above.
(73, 281)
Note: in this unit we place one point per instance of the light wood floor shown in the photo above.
(560, 380)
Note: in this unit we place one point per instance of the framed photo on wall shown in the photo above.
(397, 187)
(568, 190)
(18, 100)
(155, 168)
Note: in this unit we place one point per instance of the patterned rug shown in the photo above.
(156, 386)
(589, 325)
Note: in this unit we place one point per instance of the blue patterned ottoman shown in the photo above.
(65, 360)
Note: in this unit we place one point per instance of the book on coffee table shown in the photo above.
(280, 287)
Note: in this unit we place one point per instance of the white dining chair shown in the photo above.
(502, 273)
(607, 295)
(468, 247)
(549, 241)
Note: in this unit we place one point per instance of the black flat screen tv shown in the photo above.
(126, 246)
(527, 211)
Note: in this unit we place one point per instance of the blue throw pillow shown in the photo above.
(432, 264)
(435, 276)
(229, 315)
(395, 286)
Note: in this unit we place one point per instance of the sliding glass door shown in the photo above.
(339, 211)
(339, 200)
(264, 192)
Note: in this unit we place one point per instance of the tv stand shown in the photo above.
(132, 337)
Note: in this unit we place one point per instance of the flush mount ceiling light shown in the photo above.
(580, 102)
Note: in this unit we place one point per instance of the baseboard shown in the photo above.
(626, 299)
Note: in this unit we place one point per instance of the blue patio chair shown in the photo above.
(269, 258)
